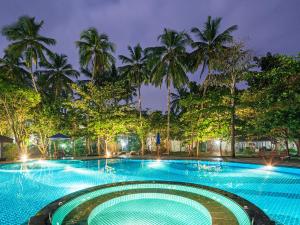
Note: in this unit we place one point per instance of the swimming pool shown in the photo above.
(27, 187)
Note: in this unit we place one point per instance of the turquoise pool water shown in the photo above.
(149, 209)
(27, 187)
(152, 203)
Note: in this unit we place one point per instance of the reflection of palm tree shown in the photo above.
(95, 51)
(169, 64)
(27, 42)
(57, 75)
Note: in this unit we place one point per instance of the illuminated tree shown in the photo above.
(135, 69)
(273, 96)
(230, 68)
(18, 104)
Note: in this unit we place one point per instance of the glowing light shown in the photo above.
(63, 145)
(217, 142)
(269, 166)
(108, 154)
(24, 158)
(123, 143)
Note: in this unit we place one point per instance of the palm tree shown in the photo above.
(209, 40)
(191, 89)
(181, 93)
(207, 46)
(96, 51)
(57, 75)
(135, 69)
(13, 69)
(28, 43)
(169, 65)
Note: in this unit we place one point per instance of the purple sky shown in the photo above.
(265, 25)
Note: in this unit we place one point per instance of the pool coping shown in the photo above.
(43, 217)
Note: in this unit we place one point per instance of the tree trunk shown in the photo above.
(74, 147)
(192, 144)
(140, 102)
(141, 122)
(169, 112)
(32, 77)
(55, 150)
(94, 72)
(297, 142)
(87, 145)
(232, 122)
(23, 148)
(197, 148)
(106, 149)
(220, 148)
(286, 141)
(42, 145)
(1, 149)
(98, 145)
(143, 146)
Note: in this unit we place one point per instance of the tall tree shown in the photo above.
(169, 65)
(95, 51)
(231, 66)
(45, 123)
(101, 105)
(273, 95)
(135, 69)
(57, 75)
(18, 104)
(27, 42)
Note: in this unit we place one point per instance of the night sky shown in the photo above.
(265, 25)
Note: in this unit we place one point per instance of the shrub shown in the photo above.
(11, 152)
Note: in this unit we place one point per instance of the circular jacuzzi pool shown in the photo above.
(149, 208)
(151, 203)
